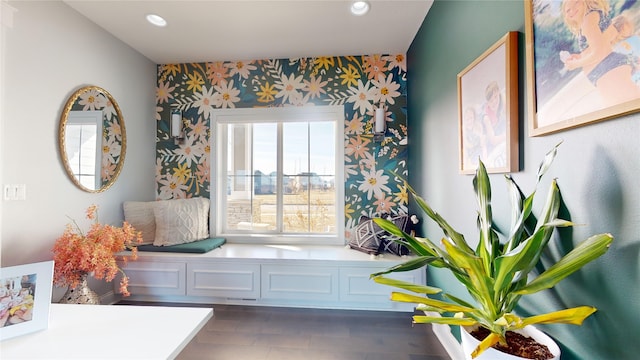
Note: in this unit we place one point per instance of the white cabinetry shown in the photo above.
(156, 278)
(356, 286)
(328, 277)
(229, 280)
(303, 282)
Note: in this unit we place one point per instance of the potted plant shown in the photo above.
(497, 273)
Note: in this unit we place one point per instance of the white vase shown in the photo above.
(469, 343)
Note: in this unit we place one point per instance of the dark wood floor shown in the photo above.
(270, 333)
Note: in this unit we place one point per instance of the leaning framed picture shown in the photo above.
(582, 62)
(25, 297)
(488, 109)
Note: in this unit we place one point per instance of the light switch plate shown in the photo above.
(15, 192)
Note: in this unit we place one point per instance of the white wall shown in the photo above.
(50, 51)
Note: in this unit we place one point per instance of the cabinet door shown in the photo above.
(156, 278)
(299, 282)
(226, 280)
(356, 286)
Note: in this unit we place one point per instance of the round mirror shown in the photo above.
(92, 139)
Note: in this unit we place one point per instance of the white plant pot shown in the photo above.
(469, 343)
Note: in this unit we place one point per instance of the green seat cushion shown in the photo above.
(196, 247)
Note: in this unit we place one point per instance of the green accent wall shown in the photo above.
(597, 167)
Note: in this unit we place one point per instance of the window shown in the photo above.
(279, 175)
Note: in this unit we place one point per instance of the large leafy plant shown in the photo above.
(497, 272)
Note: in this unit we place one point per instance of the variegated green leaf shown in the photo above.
(522, 257)
(488, 237)
(415, 263)
(548, 160)
(520, 211)
(584, 253)
(457, 300)
(455, 236)
(480, 281)
(423, 248)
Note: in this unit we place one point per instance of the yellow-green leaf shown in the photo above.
(419, 319)
(439, 305)
(416, 288)
(488, 342)
(573, 316)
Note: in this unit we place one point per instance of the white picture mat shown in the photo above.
(41, 298)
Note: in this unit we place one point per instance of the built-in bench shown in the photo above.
(268, 275)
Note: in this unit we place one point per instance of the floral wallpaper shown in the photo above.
(357, 82)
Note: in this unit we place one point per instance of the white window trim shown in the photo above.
(270, 115)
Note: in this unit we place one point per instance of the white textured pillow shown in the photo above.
(140, 215)
(181, 221)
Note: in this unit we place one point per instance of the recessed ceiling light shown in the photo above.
(359, 8)
(156, 20)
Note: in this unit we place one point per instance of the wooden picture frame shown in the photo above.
(25, 297)
(488, 109)
(565, 91)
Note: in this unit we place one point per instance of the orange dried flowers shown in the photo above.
(76, 254)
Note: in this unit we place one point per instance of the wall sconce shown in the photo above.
(379, 125)
(176, 126)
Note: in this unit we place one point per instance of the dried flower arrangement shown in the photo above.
(77, 254)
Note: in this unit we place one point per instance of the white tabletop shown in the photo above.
(110, 332)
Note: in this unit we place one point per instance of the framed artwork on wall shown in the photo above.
(488, 109)
(582, 62)
(25, 297)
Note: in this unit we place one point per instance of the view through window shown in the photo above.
(280, 175)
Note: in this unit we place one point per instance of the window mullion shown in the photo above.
(279, 179)
(309, 185)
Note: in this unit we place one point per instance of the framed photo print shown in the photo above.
(582, 62)
(25, 297)
(488, 109)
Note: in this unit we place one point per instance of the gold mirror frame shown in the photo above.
(72, 102)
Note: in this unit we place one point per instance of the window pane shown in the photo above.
(265, 176)
(295, 148)
(265, 148)
(241, 204)
(322, 145)
(323, 206)
(323, 195)
(238, 161)
(309, 152)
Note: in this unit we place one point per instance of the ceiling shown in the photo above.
(218, 30)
